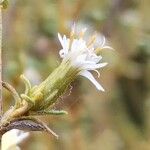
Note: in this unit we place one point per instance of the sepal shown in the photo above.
(13, 92)
(49, 112)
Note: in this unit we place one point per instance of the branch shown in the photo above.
(1, 104)
(12, 91)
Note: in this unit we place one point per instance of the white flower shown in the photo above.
(12, 138)
(82, 54)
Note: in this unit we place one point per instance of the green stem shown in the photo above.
(1, 104)
(14, 113)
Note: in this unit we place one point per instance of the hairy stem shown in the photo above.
(14, 113)
(1, 104)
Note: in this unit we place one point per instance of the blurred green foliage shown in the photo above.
(115, 120)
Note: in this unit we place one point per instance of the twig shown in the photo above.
(12, 91)
(1, 103)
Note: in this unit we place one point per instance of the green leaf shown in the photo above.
(27, 84)
(12, 90)
(49, 112)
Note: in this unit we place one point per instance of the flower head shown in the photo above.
(80, 57)
(83, 54)
(12, 138)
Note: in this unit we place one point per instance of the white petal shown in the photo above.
(65, 43)
(107, 47)
(98, 74)
(84, 30)
(88, 75)
(81, 58)
(94, 66)
(78, 45)
(63, 53)
(103, 41)
(21, 136)
(94, 58)
(60, 39)
(13, 138)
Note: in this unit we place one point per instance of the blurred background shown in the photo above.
(117, 119)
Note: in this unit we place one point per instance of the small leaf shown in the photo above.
(27, 125)
(27, 84)
(12, 91)
(30, 124)
(49, 112)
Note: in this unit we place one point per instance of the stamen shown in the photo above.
(81, 34)
(91, 41)
(103, 41)
(72, 35)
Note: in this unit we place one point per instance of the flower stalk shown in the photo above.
(1, 59)
(3, 5)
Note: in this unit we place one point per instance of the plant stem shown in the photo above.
(1, 103)
(14, 113)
